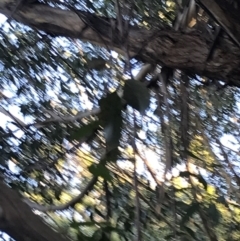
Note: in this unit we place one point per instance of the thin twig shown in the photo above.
(135, 181)
(55, 119)
(228, 161)
(69, 204)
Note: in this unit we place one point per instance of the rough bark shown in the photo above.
(185, 51)
(17, 219)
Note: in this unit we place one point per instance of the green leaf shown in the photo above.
(189, 212)
(127, 225)
(213, 213)
(100, 170)
(83, 131)
(136, 95)
(221, 199)
(112, 155)
(97, 236)
(104, 237)
(82, 237)
(191, 232)
(57, 193)
(111, 119)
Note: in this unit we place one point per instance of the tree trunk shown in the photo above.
(185, 51)
(19, 222)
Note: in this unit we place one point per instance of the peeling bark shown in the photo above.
(185, 51)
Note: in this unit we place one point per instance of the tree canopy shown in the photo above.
(119, 120)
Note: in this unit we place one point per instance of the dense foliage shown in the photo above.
(107, 153)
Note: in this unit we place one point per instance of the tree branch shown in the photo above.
(55, 119)
(62, 119)
(163, 46)
(71, 203)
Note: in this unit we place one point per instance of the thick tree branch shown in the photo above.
(223, 19)
(185, 51)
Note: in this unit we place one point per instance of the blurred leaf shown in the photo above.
(83, 131)
(127, 226)
(200, 178)
(190, 231)
(97, 236)
(189, 212)
(100, 170)
(203, 181)
(104, 237)
(82, 237)
(111, 156)
(185, 174)
(213, 213)
(96, 63)
(221, 199)
(111, 117)
(136, 95)
(65, 89)
(57, 193)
